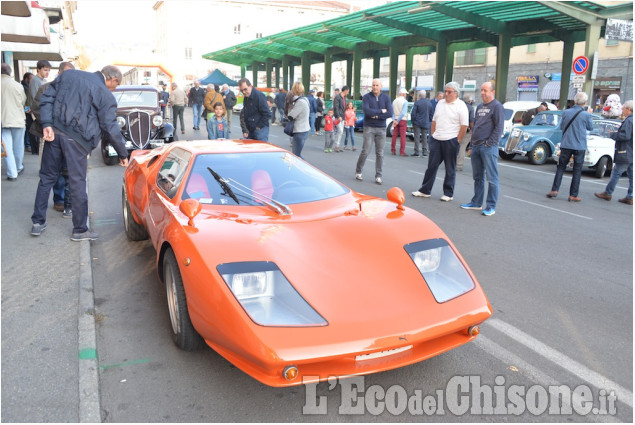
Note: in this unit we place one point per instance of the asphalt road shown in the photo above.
(558, 275)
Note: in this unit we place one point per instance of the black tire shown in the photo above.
(108, 160)
(389, 130)
(183, 333)
(134, 230)
(539, 154)
(506, 156)
(602, 168)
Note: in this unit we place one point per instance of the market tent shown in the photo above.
(217, 77)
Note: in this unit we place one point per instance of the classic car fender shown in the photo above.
(532, 142)
(168, 130)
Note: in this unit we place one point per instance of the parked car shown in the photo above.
(600, 148)
(139, 117)
(514, 111)
(242, 231)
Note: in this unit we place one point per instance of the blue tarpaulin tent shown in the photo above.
(219, 78)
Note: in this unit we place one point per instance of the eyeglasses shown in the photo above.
(449, 91)
(244, 90)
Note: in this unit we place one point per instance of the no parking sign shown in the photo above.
(580, 65)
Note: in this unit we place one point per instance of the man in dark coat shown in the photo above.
(421, 117)
(254, 117)
(623, 158)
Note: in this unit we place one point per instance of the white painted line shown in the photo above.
(601, 382)
(533, 373)
(549, 208)
(566, 176)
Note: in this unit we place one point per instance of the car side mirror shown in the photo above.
(397, 196)
(190, 207)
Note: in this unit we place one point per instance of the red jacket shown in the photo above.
(329, 121)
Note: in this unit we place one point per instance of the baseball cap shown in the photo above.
(403, 91)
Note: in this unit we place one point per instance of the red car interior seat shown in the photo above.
(261, 183)
(197, 187)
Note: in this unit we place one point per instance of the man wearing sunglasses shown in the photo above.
(255, 115)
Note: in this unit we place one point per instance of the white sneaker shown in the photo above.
(358, 176)
(445, 198)
(417, 193)
(378, 180)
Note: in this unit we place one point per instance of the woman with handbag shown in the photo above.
(299, 113)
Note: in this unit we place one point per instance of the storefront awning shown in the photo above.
(33, 51)
(32, 29)
(551, 91)
(16, 8)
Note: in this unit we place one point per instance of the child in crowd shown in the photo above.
(329, 131)
(217, 124)
(349, 126)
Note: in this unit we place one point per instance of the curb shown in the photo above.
(89, 401)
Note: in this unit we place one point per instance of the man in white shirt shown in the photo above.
(399, 122)
(449, 125)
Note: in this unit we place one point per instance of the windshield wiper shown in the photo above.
(223, 184)
(277, 206)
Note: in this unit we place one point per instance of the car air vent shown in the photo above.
(139, 126)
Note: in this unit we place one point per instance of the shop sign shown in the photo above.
(527, 81)
(608, 83)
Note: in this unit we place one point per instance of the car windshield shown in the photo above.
(546, 118)
(508, 114)
(138, 98)
(605, 128)
(254, 176)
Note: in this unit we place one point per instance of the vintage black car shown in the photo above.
(139, 116)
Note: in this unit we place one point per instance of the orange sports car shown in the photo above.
(287, 273)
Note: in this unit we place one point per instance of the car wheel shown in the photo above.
(134, 230)
(108, 160)
(389, 130)
(183, 333)
(507, 156)
(602, 167)
(539, 154)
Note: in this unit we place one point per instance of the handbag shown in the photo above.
(288, 127)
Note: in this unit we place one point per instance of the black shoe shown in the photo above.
(12, 179)
(425, 154)
(37, 229)
(20, 172)
(84, 236)
(68, 213)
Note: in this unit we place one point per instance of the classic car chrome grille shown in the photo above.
(139, 126)
(512, 141)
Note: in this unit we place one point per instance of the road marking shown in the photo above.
(533, 373)
(549, 208)
(598, 182)
(578, 369)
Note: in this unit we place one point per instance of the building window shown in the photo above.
(531, 48)
(237, 29)
(426, 58)
(470, 57)
(612, 42)
(258, 35)
(147, 74)
(188, 53)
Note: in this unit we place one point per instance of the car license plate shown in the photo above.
(379, 354)
(112, 151)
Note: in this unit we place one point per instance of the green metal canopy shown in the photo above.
(422, 27)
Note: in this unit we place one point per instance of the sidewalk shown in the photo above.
(49, 368)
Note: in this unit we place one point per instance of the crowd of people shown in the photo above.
(32, 120)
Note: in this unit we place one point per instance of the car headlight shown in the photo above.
(440, 267)
(267, 296)
(526, 136)
(157, 120)
(121, 121)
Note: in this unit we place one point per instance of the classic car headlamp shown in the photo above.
(440, 267)
(121, 121)
(526, 136)
(267, 295)
(157, 120)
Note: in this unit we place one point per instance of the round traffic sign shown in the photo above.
(580, 65)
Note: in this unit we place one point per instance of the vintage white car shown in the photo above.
(600, 148)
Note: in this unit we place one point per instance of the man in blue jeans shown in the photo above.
(254, 117)
(623, 157)
(574, 124)
(488, 128)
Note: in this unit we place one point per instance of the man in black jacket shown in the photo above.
(421, 117)
(230, 101)
(254, 118)
(74, 110)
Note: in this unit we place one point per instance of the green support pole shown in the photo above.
(357, 74)
(276, 72)
(376, 64)
(306, 71)
(590, 49)
(409, 57)
(243, 71)
(439, 75)
(567, 62)
(392, 77)
(328, 65)
(268, 69)
(285, 73)
(349, 72)
(254, 74)
(291, 74)
(449, 64)
(502, 66)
